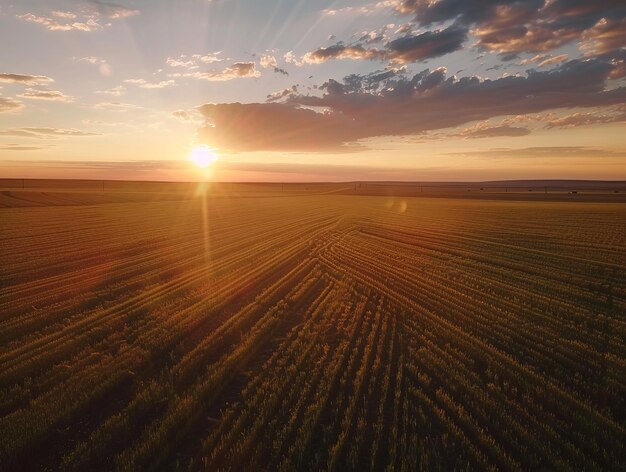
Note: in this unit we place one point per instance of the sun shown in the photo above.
(202, 156)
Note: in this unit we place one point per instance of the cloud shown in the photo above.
(275, 127)
(88, 19)
(412, 48)
(68, 15)
(238, 70)
(275, 96)
(495, 132)
(112, 11)
(53, 25)
(575, 120)
(38, 132)
(605, 36)
(368, 9)
(103, 65)
(142, 83)
(268, 60)
(115, 106)
(114, 92)
(9, 104)
(406, 49)
(398, 106)
(193, 61)
(188, 116)
(544, 60)
(158, 85)
(52, 95)
(340, 51)
(291, 58)
(181, 62)
(546, 152)
(18, 147)
(509, 26)
(24, 79)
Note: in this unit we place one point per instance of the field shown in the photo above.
(311, 327)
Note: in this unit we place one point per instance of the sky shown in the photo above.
(303, 90)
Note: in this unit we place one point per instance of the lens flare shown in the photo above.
(202, 156)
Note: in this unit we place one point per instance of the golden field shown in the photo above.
(311, 327)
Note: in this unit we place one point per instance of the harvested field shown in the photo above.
(258, 328)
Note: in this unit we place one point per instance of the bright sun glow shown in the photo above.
(202, 156)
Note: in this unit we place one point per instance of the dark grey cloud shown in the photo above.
(405, 49)
(398, 106)
(413, 48)
(510, 26)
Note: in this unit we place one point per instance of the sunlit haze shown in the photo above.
(312, 91)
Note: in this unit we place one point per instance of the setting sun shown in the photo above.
(202, 156)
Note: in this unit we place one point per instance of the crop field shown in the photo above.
(310, 330)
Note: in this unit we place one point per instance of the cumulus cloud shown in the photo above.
(9, 104)
(291, 58)
(25, 79)
(51, 95)
(399, 106)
